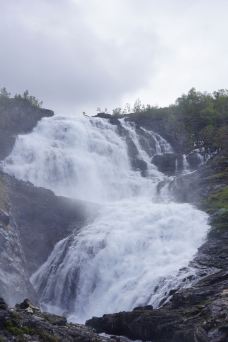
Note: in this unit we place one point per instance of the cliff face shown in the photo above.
(17, 116)
(42, 219)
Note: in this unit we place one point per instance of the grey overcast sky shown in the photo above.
(82, 54)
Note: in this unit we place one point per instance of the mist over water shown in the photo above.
(132, 252)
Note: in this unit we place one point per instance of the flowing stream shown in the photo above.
(132, 252)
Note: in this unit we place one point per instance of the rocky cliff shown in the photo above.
(17, 116)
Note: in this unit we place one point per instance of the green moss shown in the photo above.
(218, 176)
(3, 195)
(219, 200)
(16, 330)
(15, 315)
(217, 205)
(47, 337)
(220, 220)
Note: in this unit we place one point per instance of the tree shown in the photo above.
(4, 93)
(137, 106)
(117, 111)
(29, 98)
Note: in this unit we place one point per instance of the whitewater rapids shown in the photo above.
(132, 252)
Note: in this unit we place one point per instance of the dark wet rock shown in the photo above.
(37, 220)
(140, 165)
(166, 162)
(4, 217)
(42, 218)
(193, 314)
(14, 278)
(194, 159)
(3, 305)
(113, 119)
(146, 307)
(144, 325)
(26, 304)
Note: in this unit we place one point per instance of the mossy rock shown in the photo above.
(12, 327)
(219, 199)
(4, 202)
(220, 219)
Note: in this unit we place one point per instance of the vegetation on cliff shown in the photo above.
(196, 120)
(6, 98)
(18, 115)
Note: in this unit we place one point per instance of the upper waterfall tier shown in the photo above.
(88, 159)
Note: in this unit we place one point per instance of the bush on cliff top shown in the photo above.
(5, 98)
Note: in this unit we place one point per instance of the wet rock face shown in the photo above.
(42, 219)
(32, 220)
(14, 278)
(160, 326)
(194, 160)
(4, 218)
(166, 163)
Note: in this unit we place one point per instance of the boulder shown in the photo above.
(4, 217)
(166, 162)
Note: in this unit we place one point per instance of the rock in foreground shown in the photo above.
(27, 323)
(196, 314)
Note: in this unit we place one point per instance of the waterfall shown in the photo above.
(132, 252)
(186, 167)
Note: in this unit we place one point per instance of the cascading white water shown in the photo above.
(131, 253)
